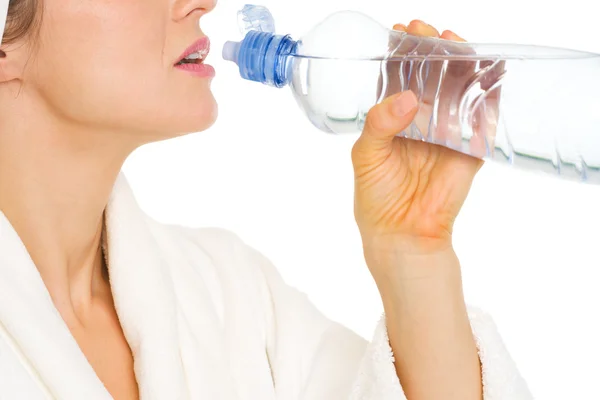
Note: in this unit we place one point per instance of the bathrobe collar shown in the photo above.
(36, 331)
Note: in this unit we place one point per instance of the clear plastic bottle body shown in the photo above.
(535, 107)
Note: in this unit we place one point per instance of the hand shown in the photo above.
(407, 195)
(409, 192)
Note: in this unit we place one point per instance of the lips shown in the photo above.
(196, 53)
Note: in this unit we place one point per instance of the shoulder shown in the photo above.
(221, 247)
(217, 243)
(215, 258)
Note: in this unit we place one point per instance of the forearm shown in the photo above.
(428, 325)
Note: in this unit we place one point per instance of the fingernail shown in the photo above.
(416, 22)
(421, 22)
(455, 37)
(404, 104)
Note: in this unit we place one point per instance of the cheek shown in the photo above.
(127, 95)
(102, 61)
(118, 74)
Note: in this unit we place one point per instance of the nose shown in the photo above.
(184, 8)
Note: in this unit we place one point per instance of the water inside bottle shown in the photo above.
(526, 112)
(533, 106)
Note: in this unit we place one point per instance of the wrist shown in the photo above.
(409, 258)
(423, 286)
(408, 244)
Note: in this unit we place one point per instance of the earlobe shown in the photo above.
(2, 59)
(9, 67)
(3, 77)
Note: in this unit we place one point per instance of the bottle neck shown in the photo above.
(264, 57)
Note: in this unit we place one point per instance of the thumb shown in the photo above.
(387, 119)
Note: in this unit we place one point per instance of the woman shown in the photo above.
(99, 301)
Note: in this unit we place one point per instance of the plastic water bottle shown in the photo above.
(531, 106)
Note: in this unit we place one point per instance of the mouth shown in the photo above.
(196, 53)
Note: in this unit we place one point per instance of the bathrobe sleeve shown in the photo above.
(314, 358)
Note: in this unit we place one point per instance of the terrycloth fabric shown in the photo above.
(207, 317)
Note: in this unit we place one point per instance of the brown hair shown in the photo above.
(22, 19)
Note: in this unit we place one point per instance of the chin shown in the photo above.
(197, 120)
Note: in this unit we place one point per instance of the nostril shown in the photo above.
(197, 12)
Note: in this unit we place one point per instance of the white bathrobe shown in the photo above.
(207, 318)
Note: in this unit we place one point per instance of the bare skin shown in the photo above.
(61, 149)
(97, 330)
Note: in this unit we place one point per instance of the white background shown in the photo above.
(529, 244)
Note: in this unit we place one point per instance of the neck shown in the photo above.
(54, 187)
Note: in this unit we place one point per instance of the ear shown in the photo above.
(13, 59)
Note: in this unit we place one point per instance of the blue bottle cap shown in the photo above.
(262, 56)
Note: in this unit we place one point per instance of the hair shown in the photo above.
(22, 20)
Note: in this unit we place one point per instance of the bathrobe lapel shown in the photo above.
(170, 361)
(35, 330)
